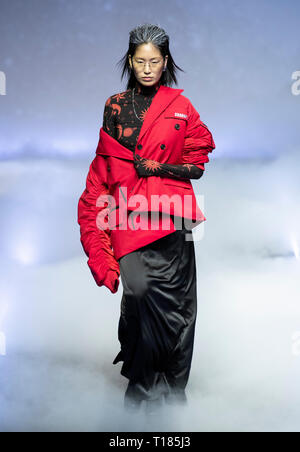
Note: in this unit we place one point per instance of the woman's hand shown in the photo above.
(112, 281)
(145, 167)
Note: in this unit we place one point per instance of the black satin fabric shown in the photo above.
(158, 315)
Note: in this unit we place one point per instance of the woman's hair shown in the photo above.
(144, 34)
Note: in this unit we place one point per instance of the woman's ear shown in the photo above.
(166, 61)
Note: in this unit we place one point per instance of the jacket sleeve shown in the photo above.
(96, 241)
(198, 141)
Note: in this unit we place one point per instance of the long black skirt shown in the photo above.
(158, 315)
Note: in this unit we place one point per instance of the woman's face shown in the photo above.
(147, 64)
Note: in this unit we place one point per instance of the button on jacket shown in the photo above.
(172, 132)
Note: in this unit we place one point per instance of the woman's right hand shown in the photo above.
(112, 281)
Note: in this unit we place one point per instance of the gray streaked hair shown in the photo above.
(144, 34)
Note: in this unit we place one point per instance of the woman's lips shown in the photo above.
(147, 78)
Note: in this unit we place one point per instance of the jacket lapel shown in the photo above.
(110, 146)
(163, 98)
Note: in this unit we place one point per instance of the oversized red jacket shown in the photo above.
(173, 133)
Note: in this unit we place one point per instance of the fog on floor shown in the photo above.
(61, 328)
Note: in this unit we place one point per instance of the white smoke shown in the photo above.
(61, 329)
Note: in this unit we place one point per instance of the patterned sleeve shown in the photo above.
(146, 167)
(198, 141)
(109, 124)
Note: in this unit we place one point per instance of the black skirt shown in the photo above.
(158, 315)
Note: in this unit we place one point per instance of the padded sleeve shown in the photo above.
(198, 141)
(95, 240)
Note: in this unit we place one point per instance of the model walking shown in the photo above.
(152, 143)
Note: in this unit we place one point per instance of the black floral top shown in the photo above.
(121, 122)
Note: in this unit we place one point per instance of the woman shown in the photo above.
(157, 262)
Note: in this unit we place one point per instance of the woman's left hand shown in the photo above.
(145, 167)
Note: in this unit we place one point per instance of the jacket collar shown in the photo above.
(162, 99)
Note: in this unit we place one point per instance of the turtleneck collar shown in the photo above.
(146, 90)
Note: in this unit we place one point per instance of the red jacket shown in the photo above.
(172, 132)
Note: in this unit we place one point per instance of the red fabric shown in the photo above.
(162, 140)
(112, 281)
(96, 243)
(198, 140)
